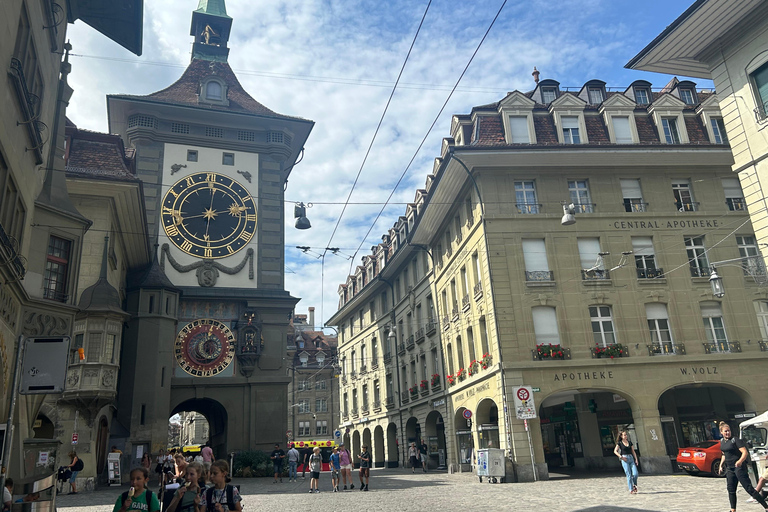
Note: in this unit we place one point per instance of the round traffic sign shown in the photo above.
(467, 413)
(337, 434)
(523, 394)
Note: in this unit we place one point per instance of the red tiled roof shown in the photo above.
(646, 130)
(490, 131)
(185, 90)
(97, 154)
(545, 130)
(696, 132)
(597, 133)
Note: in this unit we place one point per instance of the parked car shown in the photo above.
(702, 457)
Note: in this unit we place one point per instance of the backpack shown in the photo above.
(210, 505)
(78, 465)
(124, 497)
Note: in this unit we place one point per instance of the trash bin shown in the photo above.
(491, 464)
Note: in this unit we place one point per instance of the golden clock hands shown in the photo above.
(210, 213)
(236, 211)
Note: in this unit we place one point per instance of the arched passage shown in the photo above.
(412, 430)
(392, 452)
(102, 438)
(45, 428)
(367, 439)
(435, 428)
(487, 420)
(579, 428)
(347, 441)
(216, 416)
(464, 441)
(378, 447)
(690, 413)
(355, 447)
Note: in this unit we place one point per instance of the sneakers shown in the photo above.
(366, 487)
(345, 487)
(311, 491)
(362, 487)
(351, 486)
(317, 491)
(751, 500)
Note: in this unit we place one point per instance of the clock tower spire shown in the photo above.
(210, 28)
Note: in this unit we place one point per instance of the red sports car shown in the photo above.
(702, 457)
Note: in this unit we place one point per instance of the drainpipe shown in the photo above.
(397, 370)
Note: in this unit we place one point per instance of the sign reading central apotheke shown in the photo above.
(665, 224)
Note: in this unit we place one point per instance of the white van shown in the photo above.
(754, 432)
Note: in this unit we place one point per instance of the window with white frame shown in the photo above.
(671, 133)
(697, 256)
(570, 130)
(545, 325)
(762, 317)
(681, 189)
(304, 429)
(687, 96)
(320, 384)
(321, 428)
(759, 79)
(518, 130)
(602, 325)
(734, 196)
(535, 257)
(718, 130)
(595, 95)
(549, 94)
(633, 195)
(658, 325)
(748, 249)
(712, 315)
(642, 95)
(525, 197)
(621, 130)
(304, 406)
(579, 193)
(645, 258)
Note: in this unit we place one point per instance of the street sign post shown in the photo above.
(525, 409)
(74, 437)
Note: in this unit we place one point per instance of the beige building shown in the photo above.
(48, 255)
(611, 319)
(726, 41)
(392, 376)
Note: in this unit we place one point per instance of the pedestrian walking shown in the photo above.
(423, 455)
(735, 454)
(293, 462)
(315, 466)
(413, 455)
(625, 451)
(305, 454)
(159, 461)
(187, 498)
(345, 459)
(221, 496)
(207, 454)
(138, 497)
(277, 457)
(335, 463)
(76, 466)
(365, 468)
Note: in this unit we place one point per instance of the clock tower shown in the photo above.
(209, 317)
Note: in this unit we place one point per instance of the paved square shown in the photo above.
(399, 490)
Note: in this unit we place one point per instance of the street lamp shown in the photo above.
(754, 267)
(569, 215)
(300, 214)
(716, 282)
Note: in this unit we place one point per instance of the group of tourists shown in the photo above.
(340, 465)
(197, 488)
(418, 456)
(733, 463)
(171, 464)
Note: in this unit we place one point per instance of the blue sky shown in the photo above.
(335, 62)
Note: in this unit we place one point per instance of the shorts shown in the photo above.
(347, 466)
(278, 467)
(316, 475)
(73, 478)
(423, 457)
(335, 473)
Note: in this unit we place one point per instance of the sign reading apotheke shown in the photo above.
(665, 224)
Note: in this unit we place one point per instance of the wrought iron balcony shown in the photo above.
(635, 206)
(365, 410)
(355, 414)
(650, 273)
(723, 347)
(401, 349)
(550, 353)
(687, 206)
(666, 348)
(539, 275)
(700, 271)
(455, 311)
(387, 358)
(405, 397)
(584, 207)
(411, 342)
(390, 402)
(420, 335)
(597, 274)
(363, 369)
(446, 322)
(527, 208)
(376, 405)
(610, 351)
(465, 302)
(478, 289)
(736, 204)
(10, 255)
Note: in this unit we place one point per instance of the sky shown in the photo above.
(336, 62)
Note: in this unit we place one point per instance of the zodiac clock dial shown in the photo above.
(204, 347)
(209, 215)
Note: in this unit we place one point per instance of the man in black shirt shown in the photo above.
(423, 455)
(277, 457)
(365, 468)
(735, 455)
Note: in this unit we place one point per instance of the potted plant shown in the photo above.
(473, 367)
(549, 351)
(486, 361)
(461, 374)
(611, 351)
(424, 385)
(451, 379)
(414, 391)
(435, 379)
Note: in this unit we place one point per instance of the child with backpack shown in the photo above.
(222, 496)
(188, 497)
(138, 497)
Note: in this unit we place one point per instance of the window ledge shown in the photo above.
(700, 280)
(655, 280)
(540, 284)
(597, 282)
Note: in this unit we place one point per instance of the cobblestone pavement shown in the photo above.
(398, 490)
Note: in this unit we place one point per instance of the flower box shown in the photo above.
(473, 367)
(461, 374)
(550, 352)
(486, 361)
(451, 379)
(435, 379)
(611, 351)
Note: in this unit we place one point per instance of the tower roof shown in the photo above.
(212, 7)
(101, 296)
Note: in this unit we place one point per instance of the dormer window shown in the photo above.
(671, 134)
(549, 94)
(213, 91)
(642, 95)
(596, 96)
(571, 130)
(688, 97)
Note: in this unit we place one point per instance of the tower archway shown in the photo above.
(216, 416)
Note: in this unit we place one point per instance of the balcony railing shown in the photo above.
(387, 358)
(411, 342)
(635, 206)
(446, 322)
(666, 348)
(584, 207)
(760, 115)
(405, 397)
(420, 335)
(597, 274)
(550, 353)
(377, 405)
(354, 412)
(539, 275)
(478, 290)
(401, 349)
(610, 351)
(431, 327)
(465, 302)
(650, 273)
(736, 204)
(455, 311)
(10, 255)
(687, 206)
(390, 402)
(722, 347)
(700, 271)
(365, 410)
(363, 369)
(528, 207)
(30, 107)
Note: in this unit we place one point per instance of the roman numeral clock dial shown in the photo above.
(209, 215)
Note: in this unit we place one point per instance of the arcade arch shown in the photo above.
(487, 420)
(378, 447)
(215, 415)
(435, 429)
(465, 443)
(393, 455)
(355, 447)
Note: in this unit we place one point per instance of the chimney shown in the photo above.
(535, 74)
(312, 318)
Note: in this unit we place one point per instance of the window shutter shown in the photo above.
(711, 310)
(732, 188)
(588, 249)
(621, 130)
(535, 255)
(630, 189)
(642, 246)
(656, 311)
(545, 325)
(518, 127)
(570, 121)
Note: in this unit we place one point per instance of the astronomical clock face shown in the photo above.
(205, 347)
(209, 215)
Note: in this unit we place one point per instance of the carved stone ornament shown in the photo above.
(108, 379)
(176, 168)
(245, 174)
(207, 270)
(37, 323)
(72, 378)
